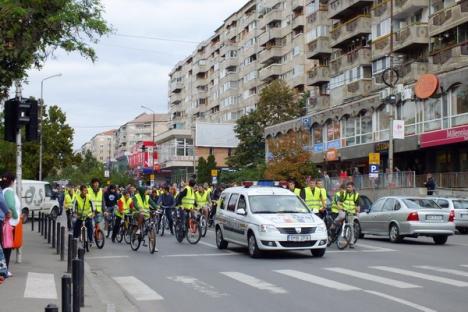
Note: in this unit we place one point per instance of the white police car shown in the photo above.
(268, 218)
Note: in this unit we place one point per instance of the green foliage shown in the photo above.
(31, 30)
(254, 173)
(202, 171)
(210, 165)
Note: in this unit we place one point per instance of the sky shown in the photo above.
(129, 72)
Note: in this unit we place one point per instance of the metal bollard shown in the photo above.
(70, 253)
(51, 308)
(76, 268)
(75, 248)
(66, 293)
(41, 224)
(46, 222)
(32, 221)
(57, 243)
(53, 233)
(49, 228)
(81, 253)
(62, 243)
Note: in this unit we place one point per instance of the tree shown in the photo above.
(31, 30)
(289, 160)
(210, 165)
(202, 171)
(82, 172)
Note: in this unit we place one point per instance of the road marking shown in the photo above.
(105, 257)
(201, 255)
(317, 280)
(137, 289)
(374, 247)
(216, 247)
(428, 277)
(442, 270)
(402, 301)
(360, 251)
(255, 282)
(40, 286)
(373, 278)
(197, 285)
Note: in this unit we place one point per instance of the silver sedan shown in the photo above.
(398, 217)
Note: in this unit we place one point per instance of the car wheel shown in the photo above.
(220, 242)
(440, 239)
(394, 234)
(54, 213)
(357, 230)
(318, 253)
(254, 252)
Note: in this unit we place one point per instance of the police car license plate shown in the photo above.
(299, 238)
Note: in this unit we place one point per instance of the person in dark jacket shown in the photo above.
(167, 202)
(430, 184)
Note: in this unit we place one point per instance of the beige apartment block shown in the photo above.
(101, 146)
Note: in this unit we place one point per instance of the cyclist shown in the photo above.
(68, 203)
(167, 202)
(186, 199)
(110, 200)
(84, 210)
(124, 206)
(323, 197)
(335, 205)
(202, 200)
(95, 194)
(143, 204)
(350, 204)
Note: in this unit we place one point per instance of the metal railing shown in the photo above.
(445, 179)
(402, 179)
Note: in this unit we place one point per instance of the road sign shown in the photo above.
(214, 180)
(106, 173)
(374, 158)
(214, 173)
(373, 168)
(152, 177)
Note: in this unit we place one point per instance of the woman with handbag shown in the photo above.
(12, 200)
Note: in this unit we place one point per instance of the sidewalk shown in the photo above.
(36, 281)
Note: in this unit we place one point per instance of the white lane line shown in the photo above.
(255, 282)
(401, 301)
(374, 247)
(105, 257)
(373, 278)
(360, 251)
(214, 246)
(197, 285)
(442, 270)
(137, 289)
(40, 286)
(201, 255)
(428, 277)
(317, 280)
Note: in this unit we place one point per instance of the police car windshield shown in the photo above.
(276, 204)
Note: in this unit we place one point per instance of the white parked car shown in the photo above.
(268, 218)
(459, 206)
(37, 196)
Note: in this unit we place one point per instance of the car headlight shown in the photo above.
(267, 228)
(321, 228)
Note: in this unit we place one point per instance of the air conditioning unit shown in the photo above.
(385, 93)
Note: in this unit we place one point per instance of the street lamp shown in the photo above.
(41, 107)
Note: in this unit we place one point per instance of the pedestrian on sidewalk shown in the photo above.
(4, 213)
(430, 184)
(14, 206)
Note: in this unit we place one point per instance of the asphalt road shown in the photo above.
(379, 276)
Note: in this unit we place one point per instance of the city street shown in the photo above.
(377, 275)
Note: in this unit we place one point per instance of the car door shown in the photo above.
(368, 219)
(384, 217)
(240, 220)
(221, 212)
(230, 214)
(45, 194)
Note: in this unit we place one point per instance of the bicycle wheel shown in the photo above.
(179, 231)
(99, 238)
(84, 239)
(357, 230)
(331, 236)
(203, 225)
(120, 235)
(135, 239)
(152, 239)
(343, 237)
(194, 233)
(163, 224)
(127, 235)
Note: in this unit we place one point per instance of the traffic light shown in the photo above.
(18, 113)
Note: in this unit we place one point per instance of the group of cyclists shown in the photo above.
(113, 207)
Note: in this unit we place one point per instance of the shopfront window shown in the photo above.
(432, 114)
(460, 106)
(407, 112)
(333, 134)
(383, 117)
(349, 135)
(365, 127)
(317, 134)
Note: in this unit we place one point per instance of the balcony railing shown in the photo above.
(405, 8)
(358, 25)
(318, 75)
(381, 46)
(381, 9)
(339, 8)
(448, 18)
(318, 103)
(416, 34)
(351, 59)
(318, 47)
(358, 88)
(268, 54)
(412, 71)
(273, 70)
(446, 54)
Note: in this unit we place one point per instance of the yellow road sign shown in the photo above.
(214, 173)
(374, 158)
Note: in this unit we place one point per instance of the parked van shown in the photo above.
(38, 197)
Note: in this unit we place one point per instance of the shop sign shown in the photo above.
(382, 147)
(374, 158)
(426, 86)
(318, 148)
(331, 154)
(307, 122)
(334, 144)
(399, 129)
(442, 137)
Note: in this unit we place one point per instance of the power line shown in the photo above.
(138, 49)
(157, 38)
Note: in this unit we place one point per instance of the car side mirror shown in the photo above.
(241, 211)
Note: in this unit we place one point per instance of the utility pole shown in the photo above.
(19, 165)
(390, 139)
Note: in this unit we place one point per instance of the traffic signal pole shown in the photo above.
(19, 165)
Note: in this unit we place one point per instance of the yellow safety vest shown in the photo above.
(336, 198)
(96, 198)
(188, 202)
(201, 199)
(143, 205)
(349, 202)
(126, 206)
(83, 207)
(313, 199)
(297, 191)
(68, 200)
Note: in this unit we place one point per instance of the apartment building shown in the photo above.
(371, 58)
(102, 146)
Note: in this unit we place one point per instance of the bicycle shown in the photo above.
(149, 229)
(190, 229)
(124, 231)
(164, 222)
(98, 234)
(109, 220)
(341, 233)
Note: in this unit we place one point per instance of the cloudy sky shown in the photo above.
(130, 72)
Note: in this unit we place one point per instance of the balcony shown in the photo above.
(358, 88)
(227, 47)
(410, 37)
(381, 11)
(297, 4)
(176, 87)
(200, 68)
(297, 80)
(338, 9)
(319, 17)
(448, 18)
(271, 72)
(405, 8)
(349, 60)
(272, 33)
(318, 76)
(298, 21)
(342, 34)
(269, 55)
(318, 103)
(318, 47)
(271, 16)
(200, 82)
(451, 57)
(176, 98)
(230, 62)
(381, 47)
(411, 72)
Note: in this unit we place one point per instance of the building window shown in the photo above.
(365, 127)
(407, 112)
(381, 29)
(333, 130)
(383, 122)
(432, 114)
(349, 133)
(460, 106)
